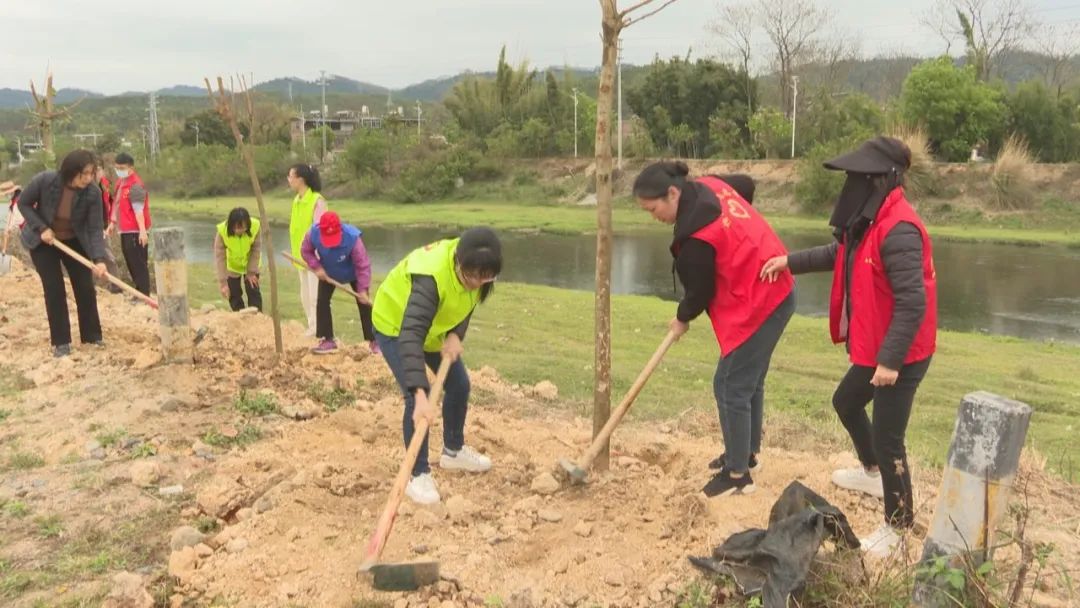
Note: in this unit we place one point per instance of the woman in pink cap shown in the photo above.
(335, 251)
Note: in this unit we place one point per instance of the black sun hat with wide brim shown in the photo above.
(874, 157)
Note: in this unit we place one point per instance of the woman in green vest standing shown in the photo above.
(237, 253)
(421, 313)
(307, 208)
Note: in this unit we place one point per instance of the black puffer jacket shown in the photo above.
(40, 200)
(420, 311)
(902, 255)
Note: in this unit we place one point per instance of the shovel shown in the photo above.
(577, 472)
(403, 576)
(342, 286)
(5, 259)
(115, 281)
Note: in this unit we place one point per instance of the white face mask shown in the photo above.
(122, 173)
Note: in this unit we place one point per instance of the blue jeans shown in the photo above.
(455, 400)
(739, 386)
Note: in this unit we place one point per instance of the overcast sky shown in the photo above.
(150, 44)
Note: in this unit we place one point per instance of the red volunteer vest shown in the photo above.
(871, 294)
(106, 200)
(743, 241)
(127, 221)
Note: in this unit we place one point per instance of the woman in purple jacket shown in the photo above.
(335, 251)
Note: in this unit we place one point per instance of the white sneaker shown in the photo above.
(422, 490)
(466, 459)
(882, 542)
(859, 480)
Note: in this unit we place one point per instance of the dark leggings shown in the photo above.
(49, 263)
(324, 318)
(881, 443)
(137, 258)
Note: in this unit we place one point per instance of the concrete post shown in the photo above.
(177, 342)
(975, 489)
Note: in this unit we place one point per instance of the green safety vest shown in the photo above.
(455, 301)
(238, 248)
(301, 220)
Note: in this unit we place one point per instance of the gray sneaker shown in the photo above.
(61, 351)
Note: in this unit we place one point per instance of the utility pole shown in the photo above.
(322, 115)
(290, 91)
(619, 93)
(575, 121)
(418, 112)
(152, 129)
(196, 127)
(303, 128)
(794, 110)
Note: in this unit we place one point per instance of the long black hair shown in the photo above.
(74, 164)
(479, 253)
(654, 180)
(237, 217)
(309, 174)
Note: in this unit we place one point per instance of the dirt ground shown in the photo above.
(287, 499)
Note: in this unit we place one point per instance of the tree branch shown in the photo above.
(628, 22)
(623, 14)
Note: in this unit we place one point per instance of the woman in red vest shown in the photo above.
(106, 210)
(884, 307)
(131, 216)
(720, 243)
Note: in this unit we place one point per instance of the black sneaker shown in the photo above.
(61, 351)
(718, 462)
(723, 484)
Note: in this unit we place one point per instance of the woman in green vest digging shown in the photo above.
(237, 253)
(307, 207)
(422, 311)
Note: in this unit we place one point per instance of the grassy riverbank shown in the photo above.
(532, 333)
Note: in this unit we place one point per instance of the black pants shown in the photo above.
(881, 443)
(47, 262)
(739, 387)
(136, 257)
(324, 319)
(237, 286)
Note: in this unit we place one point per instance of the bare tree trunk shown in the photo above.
(45, 114)
(602, 355)
(224, 108)
(612, 23)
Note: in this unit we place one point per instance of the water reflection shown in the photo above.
(1031, 292)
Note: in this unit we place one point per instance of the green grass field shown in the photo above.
(532, 333)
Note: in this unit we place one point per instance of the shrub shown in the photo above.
(1013, 187)
(818, 187)
(920, 180)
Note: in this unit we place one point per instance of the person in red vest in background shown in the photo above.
(131, 216)
(884, 308)
(720, 242)
(106, 212)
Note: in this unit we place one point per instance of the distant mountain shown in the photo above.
(14, 98)
(881, 78)
(437, 88)
(182, 90)
(334, 84)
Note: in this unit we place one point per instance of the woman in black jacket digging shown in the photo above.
(65, 206)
